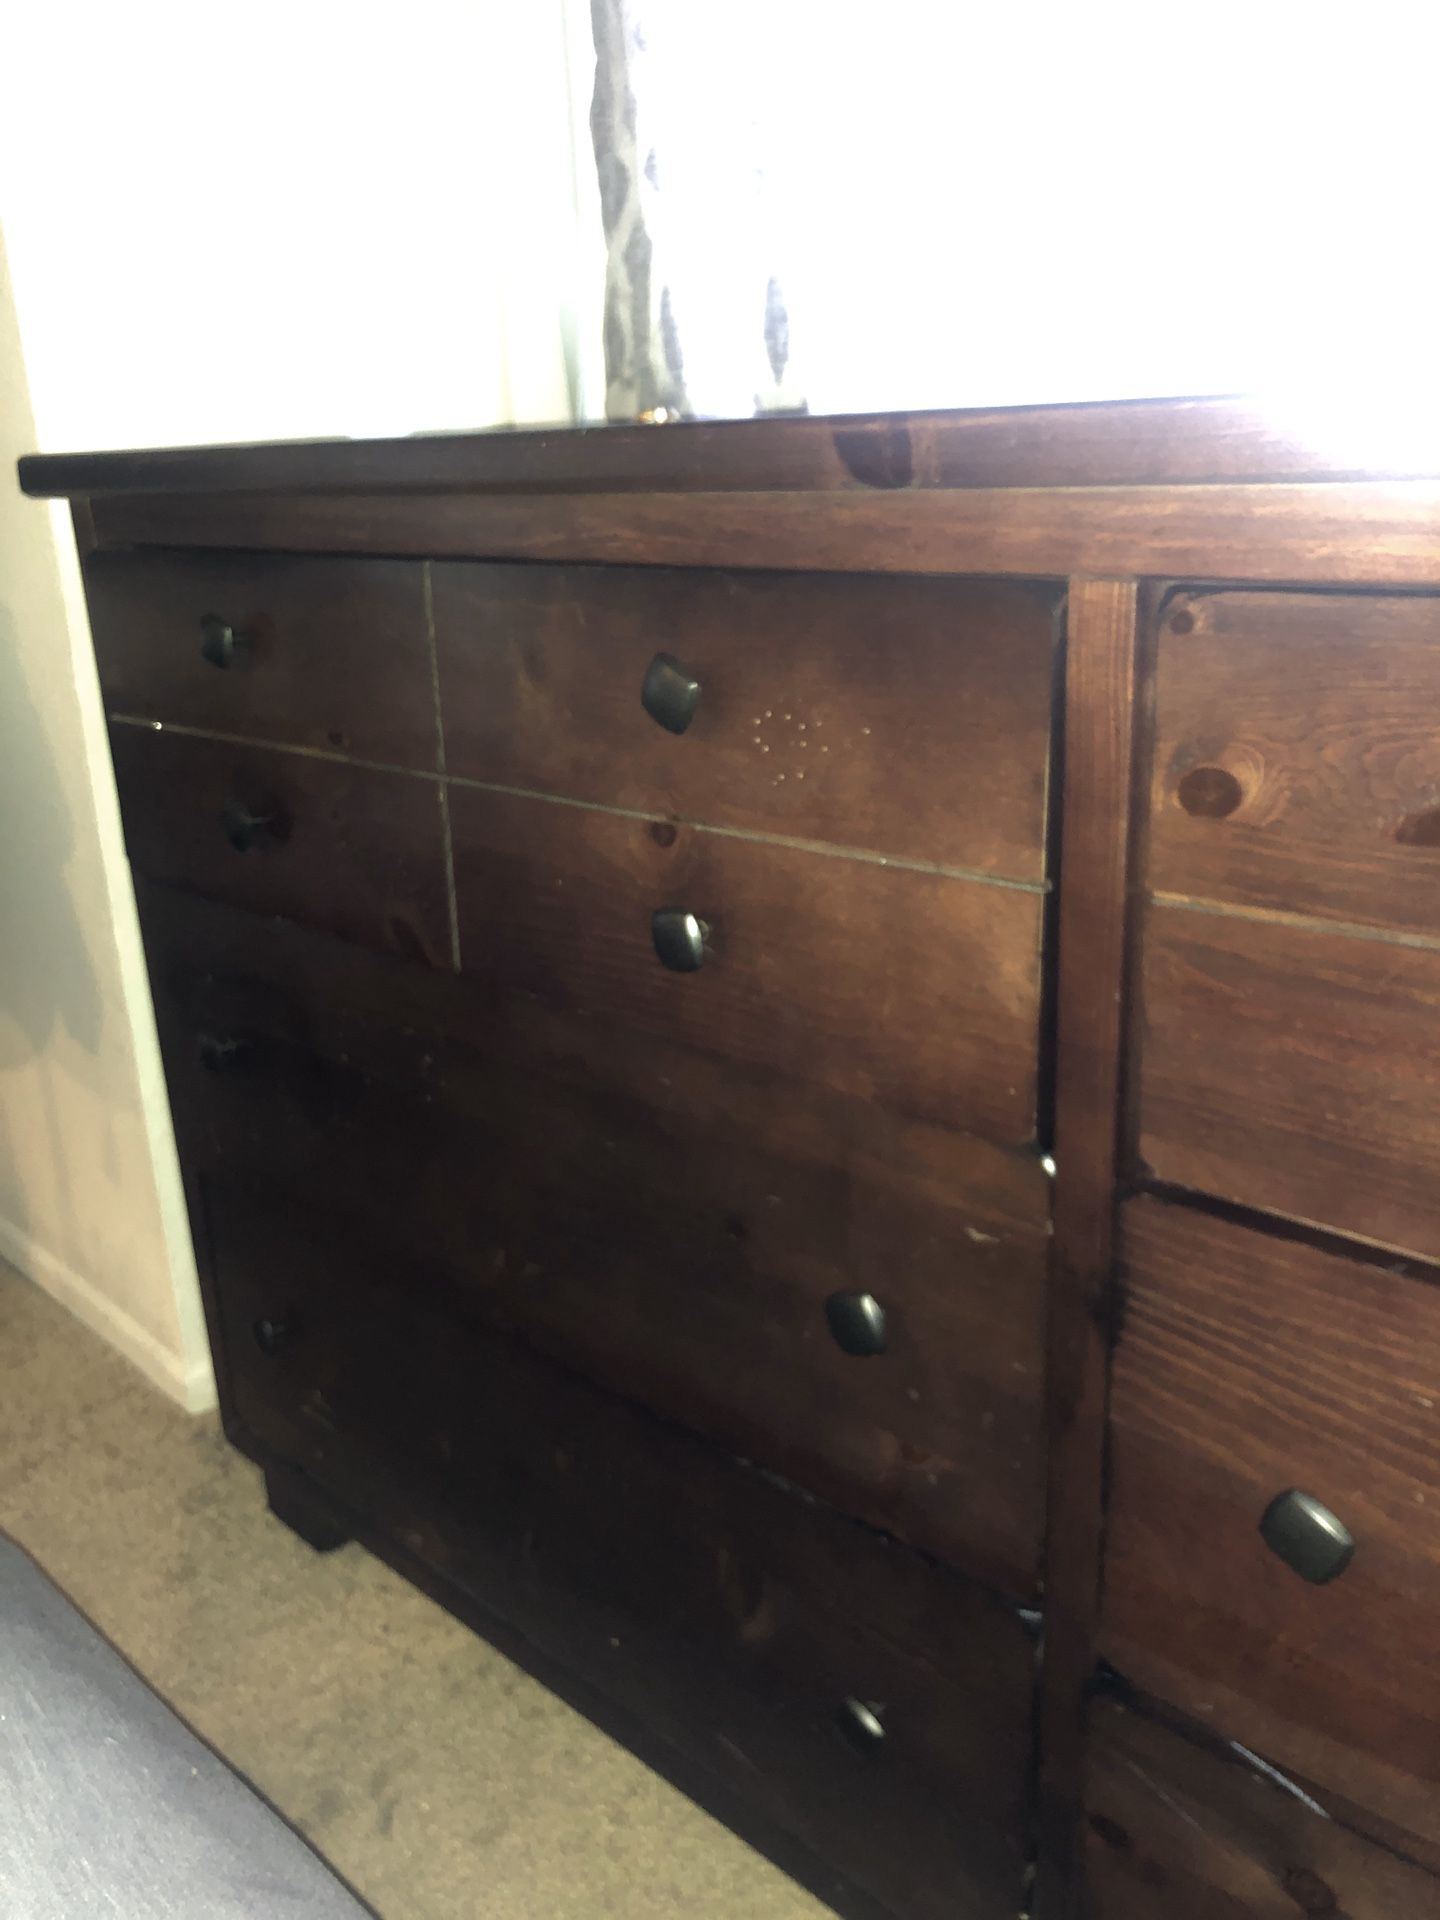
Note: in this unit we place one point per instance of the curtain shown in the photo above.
(938, 203)
(695, 315)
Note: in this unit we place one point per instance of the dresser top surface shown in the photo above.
(1122, 443)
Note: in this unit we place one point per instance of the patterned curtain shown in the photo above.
(696, 321)
(916, 204)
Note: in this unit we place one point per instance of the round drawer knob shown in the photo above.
(679, 938)
(857, 1323)
(221, 1052)
(247, 828)
(859, 1723)
(1307, 1536)
(669, 693)
(220, 643)
(272, 1334)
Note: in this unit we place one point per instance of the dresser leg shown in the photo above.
(295, 1499)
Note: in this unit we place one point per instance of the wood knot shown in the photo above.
(1419, 829)
(1311, 1895)
(1111, 1833)
(1210, 793)
(877, 456)
(746, 1595)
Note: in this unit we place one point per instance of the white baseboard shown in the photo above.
(192, 1386)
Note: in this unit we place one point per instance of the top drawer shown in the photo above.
(1297, 755)
(316, 653)
(904, 716)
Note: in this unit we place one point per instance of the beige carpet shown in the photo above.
(440, 1780)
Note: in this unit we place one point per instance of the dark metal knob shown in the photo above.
(272, 1334)
(857, 1320)
(1307, 1536)
(670, 693)
(246, 829)
(221, 1053)
(679, 939)
(859, 1722)
(220, 644)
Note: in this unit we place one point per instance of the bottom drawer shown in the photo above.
(1197, 1832)
(1251, 1367)
(872, 1707)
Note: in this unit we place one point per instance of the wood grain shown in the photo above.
(1132, 441)
(363, 853)
(911, 989)
(1295, 1068)
(1297, 756)
(729, 1616)
(665, 1224)
(909, 717)
(553, 1236)
(1194, 1831)
(336, 656)
(1380, 533)
(1247, 1365)
(1101, 626)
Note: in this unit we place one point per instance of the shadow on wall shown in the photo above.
(47, 980)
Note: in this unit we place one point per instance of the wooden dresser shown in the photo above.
(807, 1061)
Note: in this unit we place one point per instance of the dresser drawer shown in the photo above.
(915, 990)
(1290, 969)
(1293, 1067)
(1297, 754)
(875, 1709)
(356, 852)
(321, 653)
(1193, 1832)
(1248, 1367)
(673, 1229)
(348, 849)
(908, 716)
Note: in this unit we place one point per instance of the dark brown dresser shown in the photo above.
(807, 1062)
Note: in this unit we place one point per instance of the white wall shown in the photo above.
(90, 1201)
(290, 218)
(224, 222)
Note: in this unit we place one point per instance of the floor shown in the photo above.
(440, 1780)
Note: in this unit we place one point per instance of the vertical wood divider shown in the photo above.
(443, 784)
(1096, 826)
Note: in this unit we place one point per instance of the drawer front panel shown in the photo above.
(352, 851)
(671, 1229)
(1294, 1068)
(1194, 1832)
(731, 1618)
(1297, 758)
(907, 716)
(915, 990)
(332, 654)
(1250, 1366)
